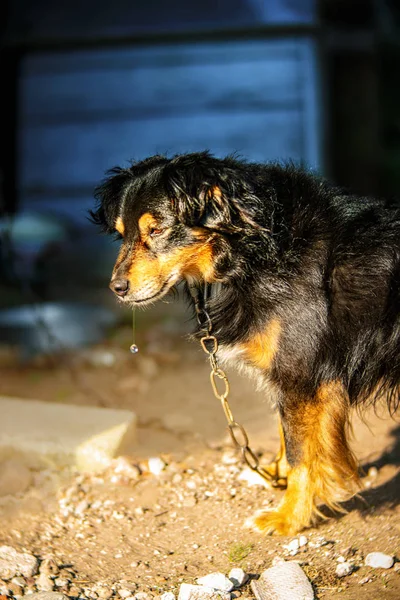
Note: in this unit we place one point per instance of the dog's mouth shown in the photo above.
(136, 300)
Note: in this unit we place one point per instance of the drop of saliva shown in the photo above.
(134, 349)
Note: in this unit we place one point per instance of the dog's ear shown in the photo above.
(108, 196)
(211, 193)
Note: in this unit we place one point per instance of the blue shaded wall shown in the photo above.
(83, 112)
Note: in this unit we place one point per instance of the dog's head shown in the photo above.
(177, 219)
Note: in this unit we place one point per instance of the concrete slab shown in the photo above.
(46, 433)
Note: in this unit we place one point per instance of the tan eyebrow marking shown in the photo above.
(119, 226)
(146, 222)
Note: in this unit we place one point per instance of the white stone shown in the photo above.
(379, 560)
(44, 583)
(252, 478)
(61, 581)
(125, 593)
(124, 467)
(229, 458)
(86, 437)
(292, 547)
(187, 591)
(217, 581)
(167, 596)
(303, 541)
(104, 592)
(285, 581)
(238, 576)
(156, 465)
(14, 563)
(344, 568)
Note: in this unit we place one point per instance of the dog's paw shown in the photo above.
(274, 521)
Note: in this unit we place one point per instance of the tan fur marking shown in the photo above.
(215, 192)
(327, 470)
(119, 226)
(261, 349)
(198, 260)
(195, 260)
(146, 222)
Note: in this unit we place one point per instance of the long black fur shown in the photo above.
(291, 246)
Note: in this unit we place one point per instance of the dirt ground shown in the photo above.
(131, 528)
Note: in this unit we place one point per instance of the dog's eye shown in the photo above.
(154, 231)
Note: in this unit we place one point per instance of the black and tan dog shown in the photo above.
(308, 297)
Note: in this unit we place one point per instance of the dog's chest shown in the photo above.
(255, 355)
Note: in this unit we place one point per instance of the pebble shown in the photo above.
(44, 583)
(49, 567)
(238, 577)
(252, 478)
(124, 593)
(124, 468)
(285, 581)
(187, 591)
(3, 588)
(21, 581)
(104, 593)
(344, 568)
(142, 596)
(303, 541)
(319, 542)
(14, 563)
(218, 581)
(365, 580)
(229, 458)
(292, 547)
(14, 589)
(156, 465)
(167, 596)
(379, 560)
(61, 581)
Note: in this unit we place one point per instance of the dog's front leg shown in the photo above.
(278, 469)
(322, 466)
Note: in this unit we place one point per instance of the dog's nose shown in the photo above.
(120, 286)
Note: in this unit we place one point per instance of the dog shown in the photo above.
(308, 296)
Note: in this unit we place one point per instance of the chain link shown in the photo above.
(209, 343)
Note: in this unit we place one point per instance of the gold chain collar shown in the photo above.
(209, 344)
